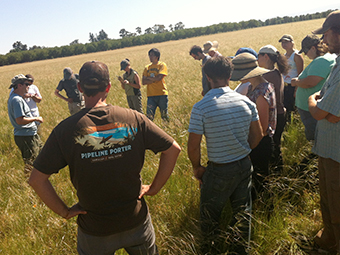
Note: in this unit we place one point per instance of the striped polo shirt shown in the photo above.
(223, 116)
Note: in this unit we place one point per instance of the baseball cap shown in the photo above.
(124, 64)
(308, 42)
(286, 37)
(94, 75)
(17, 79)
(268, 49)
(246, 49)
(332, 20)
(67, 73)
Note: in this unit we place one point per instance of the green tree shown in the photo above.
(18, 46)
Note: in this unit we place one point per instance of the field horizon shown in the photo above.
(27, 226)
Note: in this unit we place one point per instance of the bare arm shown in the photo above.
(56, 92)
(255, 134)
(194, 153)
(26, 120)
(35, 97)
(167, 163)
(43, 187)
(148, 80)
(263, 109)
(298, 59)
(308, 82)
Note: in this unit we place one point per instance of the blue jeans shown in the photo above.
(161, 102)
(223, 183)
(137, 241)
(309, 122)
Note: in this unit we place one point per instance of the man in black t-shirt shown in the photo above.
(104, 147)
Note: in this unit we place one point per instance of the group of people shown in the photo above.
(98, 143)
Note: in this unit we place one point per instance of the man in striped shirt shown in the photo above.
(230, 123)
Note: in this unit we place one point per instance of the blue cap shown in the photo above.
(245, 49)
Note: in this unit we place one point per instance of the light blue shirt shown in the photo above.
(223, 116)
(17, 107)
(327, 134)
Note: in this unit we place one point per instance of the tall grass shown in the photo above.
(287, 214)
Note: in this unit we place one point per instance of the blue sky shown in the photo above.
(57, 23)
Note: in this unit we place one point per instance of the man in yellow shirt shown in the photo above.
(157, 93)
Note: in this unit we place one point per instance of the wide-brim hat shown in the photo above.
(207, 46)
(245, 67)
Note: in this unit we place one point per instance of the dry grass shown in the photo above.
(28, 227)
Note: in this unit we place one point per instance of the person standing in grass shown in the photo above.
(262, 93)
(230, 123)
(131, 84)
(270, 58)
(295, 61)
(154, 77)
(74, 98)
(104, 147)
(312, 79)
(324, 106)
(25, 128)
(197, 53)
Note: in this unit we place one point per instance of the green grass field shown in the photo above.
(283, 220)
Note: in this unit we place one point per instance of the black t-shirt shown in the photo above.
(104, 148)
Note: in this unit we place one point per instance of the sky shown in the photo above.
(57, 23)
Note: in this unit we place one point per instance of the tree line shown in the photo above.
(158, 33)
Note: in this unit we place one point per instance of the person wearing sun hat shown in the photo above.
(311, 79)
(262, 93)
(269, 57)
(25, 128)
(242, 88)
(324, 106)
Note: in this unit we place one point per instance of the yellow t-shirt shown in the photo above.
(157, 88)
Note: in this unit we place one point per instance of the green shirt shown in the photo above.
(320, 66)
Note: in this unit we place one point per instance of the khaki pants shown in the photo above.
(75, 107)
(329, 183)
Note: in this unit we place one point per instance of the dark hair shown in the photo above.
(156, 52)
(218, 68)
(92, 92)
(195, 49)
(280, 60)
(321, 49)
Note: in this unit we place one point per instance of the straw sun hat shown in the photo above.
(245, 67)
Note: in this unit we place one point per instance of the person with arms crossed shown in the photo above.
(154, 77)
(104, 147)
(230, 123)
(324, 106)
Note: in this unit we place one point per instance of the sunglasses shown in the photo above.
(27, 84)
